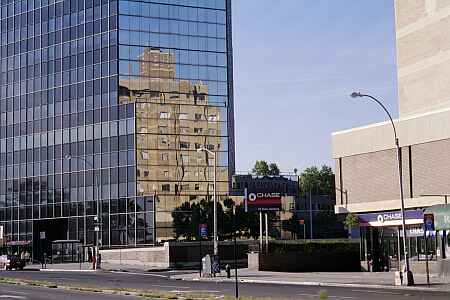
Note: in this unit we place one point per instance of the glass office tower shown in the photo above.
(102, 107)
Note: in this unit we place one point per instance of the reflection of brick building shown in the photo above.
(171, 125)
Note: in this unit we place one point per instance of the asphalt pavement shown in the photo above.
(161, 281)
(23, 292)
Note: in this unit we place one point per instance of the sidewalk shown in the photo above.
(87, 267)
(70, 267)
(383, 280)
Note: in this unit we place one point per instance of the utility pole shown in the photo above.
(310, 215)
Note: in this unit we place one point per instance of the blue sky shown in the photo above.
(295, 63)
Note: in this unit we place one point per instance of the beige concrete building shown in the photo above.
(366, 162)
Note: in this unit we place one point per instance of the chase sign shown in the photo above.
(255, 201)
(390, 218)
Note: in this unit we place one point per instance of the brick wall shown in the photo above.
(372, 177)
(431, 168)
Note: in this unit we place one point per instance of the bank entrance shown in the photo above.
(382, 240)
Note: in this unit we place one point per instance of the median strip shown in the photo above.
(148, 294)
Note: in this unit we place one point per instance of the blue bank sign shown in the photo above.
(391, 218)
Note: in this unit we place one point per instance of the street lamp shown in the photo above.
(216, 245)
(409, 274)
(96, 183)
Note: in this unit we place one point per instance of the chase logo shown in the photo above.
(380, 218)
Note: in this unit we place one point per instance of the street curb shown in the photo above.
(322, 284)
(69, 270)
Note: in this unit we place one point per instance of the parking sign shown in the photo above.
(428, 222)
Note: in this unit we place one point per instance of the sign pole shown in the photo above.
(267, 232)
(426, 258)
(428, 222)
(260, 232)
(304, 232)
(200, 254)
(236, 289)
(399, 250)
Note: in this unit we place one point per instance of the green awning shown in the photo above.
(441, 214)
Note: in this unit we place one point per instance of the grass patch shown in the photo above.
(323, 294)
(146, 294)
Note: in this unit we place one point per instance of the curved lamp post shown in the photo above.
(216, 244)
(97, 185)
(409, 276)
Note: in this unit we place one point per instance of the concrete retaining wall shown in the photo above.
(177, 254)
(152, 257)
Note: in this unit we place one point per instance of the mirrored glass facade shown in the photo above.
(103, 105)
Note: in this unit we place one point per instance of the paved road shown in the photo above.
(22, 292)
(161, 281)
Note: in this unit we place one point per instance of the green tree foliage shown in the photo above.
(273, 169)
(351, 220)
(188, 216)
(319, 181)
(262, 168)
(324, 225)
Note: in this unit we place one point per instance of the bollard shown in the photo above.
(228, 270)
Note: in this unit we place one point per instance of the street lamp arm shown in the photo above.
(386, 111)
(206, 150)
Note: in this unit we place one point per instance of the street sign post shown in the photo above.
(428, 223)
(203, 232)
(203, 229)
(302, 222)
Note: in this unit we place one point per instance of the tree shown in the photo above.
(188, 216)
(262, 168)
(351, 220)
(273, 169)
(320, 181)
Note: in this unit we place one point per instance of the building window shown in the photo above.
(184, 158)
(212, 118)
(184, 130)
(198, 117)
(164, 141)
(211, 131)
(144, 155)
(166, 174)
(164, 115)
(183, 116)
(165, 156)
(184, 145)
(146, 173)
(165, 187)
(163, 129)
(197, 187)
(198, 130)
(210, 147)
